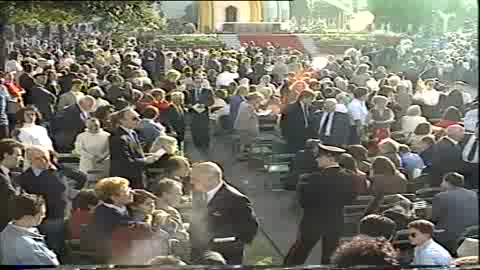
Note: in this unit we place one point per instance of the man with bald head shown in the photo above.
(447, 154)
(70, 122)
(43, 179)
(330, 126)
(223, 220)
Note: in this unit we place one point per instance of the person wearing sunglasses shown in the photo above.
(427, 251)
(127, 158)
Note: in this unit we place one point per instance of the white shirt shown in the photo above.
(4, 169)
(358, 110)
(341, 108)
(13, 66)
(212, 192)
(32, 134)
(122, 209)
(471, 119)
(89, 145)
(468, 148)
(225, 78)
(428, 97)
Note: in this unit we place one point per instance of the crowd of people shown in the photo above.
(355, 126)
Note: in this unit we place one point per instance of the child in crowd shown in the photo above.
(143, 206)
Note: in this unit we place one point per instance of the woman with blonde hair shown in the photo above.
(390, 149)
(115, 194)
(412, 119)
(170, 81)
(247, 124)
(175, 115)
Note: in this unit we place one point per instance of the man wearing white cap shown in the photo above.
(322, 196)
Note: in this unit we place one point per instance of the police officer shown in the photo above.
(322, 195)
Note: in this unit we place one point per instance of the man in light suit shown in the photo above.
(331, 127)
(224, 220)
(454, 210)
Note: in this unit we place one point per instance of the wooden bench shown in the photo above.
(354, 212)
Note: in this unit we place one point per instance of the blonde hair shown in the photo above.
(175, 95)
(393, 81)
(166, 142)
(255, 95)
(266, 92)
(173, 74)
(242, 90)
(110, 186)
(388, 146)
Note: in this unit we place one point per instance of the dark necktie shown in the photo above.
(473, 150)
(323, 128)
(305, 114)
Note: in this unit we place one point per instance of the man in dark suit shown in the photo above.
(66, 81)
(71, 122)
(27, 81)
(454, 210)
(42, 178)
(331, 127)
(43, 99)
(223, 220)
(199, 102)
(447, 154)
(127, 159)
(470, 159)
(322, 196)
(294, 121)
(10, 157)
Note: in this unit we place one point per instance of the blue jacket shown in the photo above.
(25, 246)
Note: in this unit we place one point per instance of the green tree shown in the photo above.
(126, 14)
(400, 13)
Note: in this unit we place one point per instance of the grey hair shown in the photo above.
(414, 110)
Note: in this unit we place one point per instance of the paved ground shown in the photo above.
(276, 210)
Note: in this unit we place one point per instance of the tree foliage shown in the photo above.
(120, 13)
(404, 12)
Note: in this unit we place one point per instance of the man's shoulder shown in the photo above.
(234, 193)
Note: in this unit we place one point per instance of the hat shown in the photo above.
(330, 149)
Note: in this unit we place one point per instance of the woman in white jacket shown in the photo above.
(92, 146)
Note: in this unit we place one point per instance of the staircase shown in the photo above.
(309, 45)
(230, 40)
(284, 40)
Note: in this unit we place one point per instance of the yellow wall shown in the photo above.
(210, 16)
